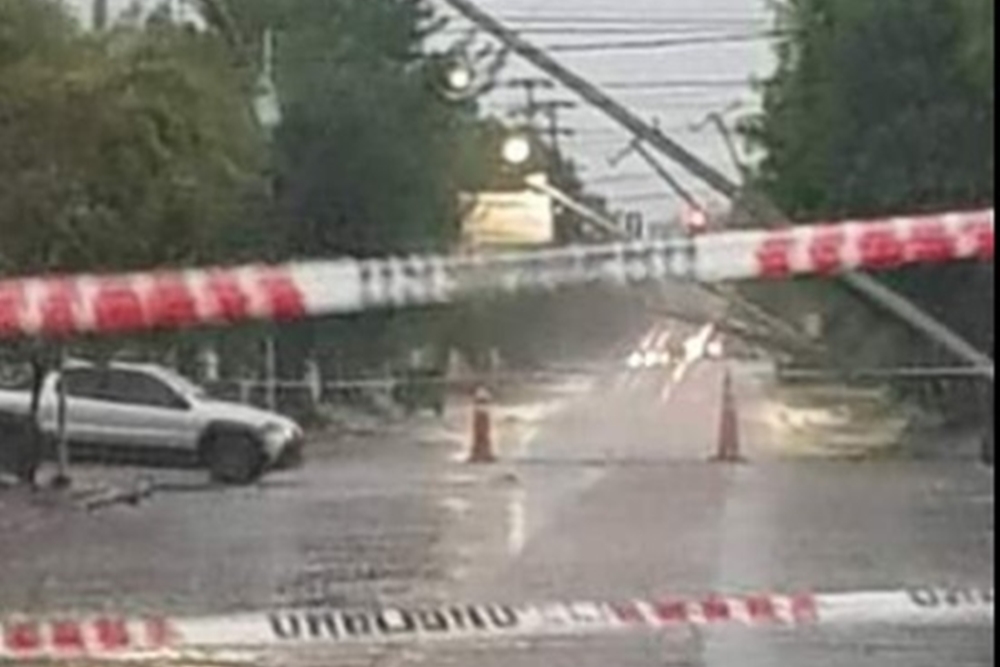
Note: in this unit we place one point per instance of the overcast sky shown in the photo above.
(728, 66)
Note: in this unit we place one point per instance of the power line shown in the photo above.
(700, 104)
(692, 98)
(530, 86)
(705, 40)
(663, 84)
(694, 104)
(661, 195)
(622, 135)
(630, 177)
(552, 111)
(569, 17)
(673, 84)
(666, 99)
(595, 31)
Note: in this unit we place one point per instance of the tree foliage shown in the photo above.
(879, 107)
(369, 155)
(884, 108)
(129, 149)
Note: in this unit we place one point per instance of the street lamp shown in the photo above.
(456, 77)
(460, 77)
(517, 150)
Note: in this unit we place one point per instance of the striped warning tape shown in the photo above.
(26, 638)
(59, 306)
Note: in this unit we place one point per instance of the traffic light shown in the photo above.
(694, 219)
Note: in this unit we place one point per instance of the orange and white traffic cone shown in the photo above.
(482, 428)
(729, 427)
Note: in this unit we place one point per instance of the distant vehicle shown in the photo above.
(149, 415)
(647, 360)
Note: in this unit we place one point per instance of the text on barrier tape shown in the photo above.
(66, 638)
(70, 305)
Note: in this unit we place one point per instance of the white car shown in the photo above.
(147, 414)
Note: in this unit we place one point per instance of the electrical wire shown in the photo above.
(568, 17)
(630, 177)
(608, 31)
(675, 84)
(670, 84)
(679, 42)
(663, 195)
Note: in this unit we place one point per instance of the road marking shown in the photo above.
(66, 638)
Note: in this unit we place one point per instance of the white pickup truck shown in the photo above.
(150, 415)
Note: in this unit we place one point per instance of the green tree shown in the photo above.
(368, 156)
(980, 53)
(131, 149)
(884, 108)
(370, 159)
(877, 107)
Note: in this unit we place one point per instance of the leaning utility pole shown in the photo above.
(762, 207)
(675, 185)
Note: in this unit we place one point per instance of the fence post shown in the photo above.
(271, 362)
(62, 479)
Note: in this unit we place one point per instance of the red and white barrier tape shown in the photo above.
(106, 638)
(61, 306)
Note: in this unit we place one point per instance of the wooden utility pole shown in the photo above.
(551, 110)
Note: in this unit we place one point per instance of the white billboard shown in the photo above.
(508, 219)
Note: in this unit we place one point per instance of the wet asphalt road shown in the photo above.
(604, 493)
